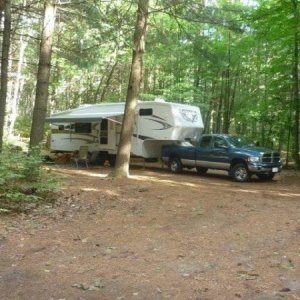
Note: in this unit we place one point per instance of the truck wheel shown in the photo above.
(201, 170)
(175, 165)
(240, 173)
(268, 176)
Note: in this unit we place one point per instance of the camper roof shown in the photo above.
(97, 112)
(88, 113)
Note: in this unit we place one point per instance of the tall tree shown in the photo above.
(4, 66)
(43, 75)
(123, 155)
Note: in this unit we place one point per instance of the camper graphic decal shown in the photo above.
(189, 115)
(142, 137)
(80, 139)
(155, 116)
(164, 124)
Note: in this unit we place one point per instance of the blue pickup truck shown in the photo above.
(223, 152)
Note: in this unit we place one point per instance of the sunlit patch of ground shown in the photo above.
(156, 235)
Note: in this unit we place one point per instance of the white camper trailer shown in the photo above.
(157, 123)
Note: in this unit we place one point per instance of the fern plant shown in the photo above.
(23, 179)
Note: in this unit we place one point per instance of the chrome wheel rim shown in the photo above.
(174, 166)
(241, 174)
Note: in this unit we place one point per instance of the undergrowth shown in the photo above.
(24, 180)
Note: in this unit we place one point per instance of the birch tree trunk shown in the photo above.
(123, 156)
(16, 88)
(4, 67)
(43, 75)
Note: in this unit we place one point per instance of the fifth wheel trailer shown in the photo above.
(98, 126)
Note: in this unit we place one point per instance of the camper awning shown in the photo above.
(88, 113)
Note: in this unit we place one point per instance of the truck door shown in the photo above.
(203, 150)
(220, 153)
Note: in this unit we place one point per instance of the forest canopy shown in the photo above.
(237, 60)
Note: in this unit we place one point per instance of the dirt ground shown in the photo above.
(156, 236)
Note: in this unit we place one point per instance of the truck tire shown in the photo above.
(175, 165)
(201, 170)
(240, 173)
(267, 176)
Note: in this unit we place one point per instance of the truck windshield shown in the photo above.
(238, 141)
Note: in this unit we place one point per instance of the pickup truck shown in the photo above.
(223, 152)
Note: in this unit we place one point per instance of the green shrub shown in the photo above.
(23, 179)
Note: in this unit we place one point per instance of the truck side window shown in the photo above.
(219, 143)
(205, 142)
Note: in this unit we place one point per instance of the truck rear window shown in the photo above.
(205, 142)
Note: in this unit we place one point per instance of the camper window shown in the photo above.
(83, 127)
(146, 112)
(61, 127)
(70, 126)
(104, 132)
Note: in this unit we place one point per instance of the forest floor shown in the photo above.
(156, 236)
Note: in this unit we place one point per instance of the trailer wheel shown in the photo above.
(240, 173)
(201, 170)
(175, 165)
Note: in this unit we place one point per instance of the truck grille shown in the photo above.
(271, 157)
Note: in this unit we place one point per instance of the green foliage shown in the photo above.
(22, 126)
(205, 53)
(23, 179)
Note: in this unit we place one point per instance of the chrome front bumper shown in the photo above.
(264, 169)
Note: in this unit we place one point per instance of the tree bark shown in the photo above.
(121, 169)
(4, 67)
(43, 75)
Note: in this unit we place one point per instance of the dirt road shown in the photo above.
(156, 236)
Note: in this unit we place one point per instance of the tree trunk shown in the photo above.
(16, 88)
(227, 90)
(231, 102)
(295, 75)
(43, 75)
(108, 79)
(209, 114)
(220, 104)
(4, 67)
(123, 156)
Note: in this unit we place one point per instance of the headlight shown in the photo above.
(253, 158)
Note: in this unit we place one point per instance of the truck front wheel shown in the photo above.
(240, 173)
(175, 165)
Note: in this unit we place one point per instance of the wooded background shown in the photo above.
(237, 60)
